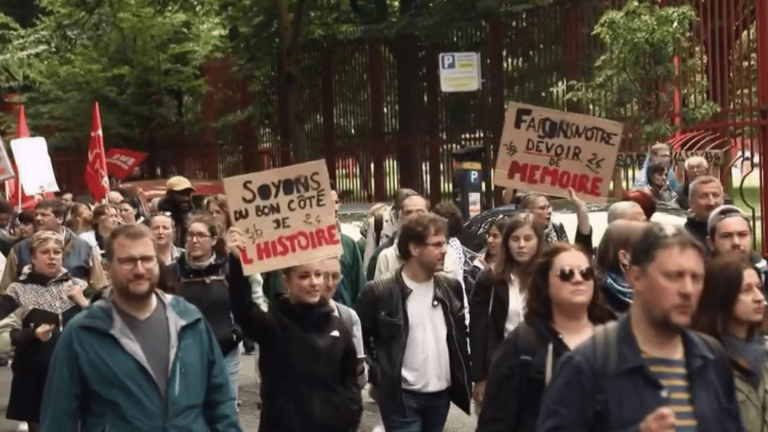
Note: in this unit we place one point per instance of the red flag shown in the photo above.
(121, 163)
(96, 169)
(26, 202)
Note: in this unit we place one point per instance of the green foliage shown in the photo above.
(140, 59)
(634, 80)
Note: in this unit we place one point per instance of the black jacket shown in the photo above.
(208, 290)
(384, 320)
(632, 391)
(308, 365)
(698, 229)
(488, 310)
(516, 379)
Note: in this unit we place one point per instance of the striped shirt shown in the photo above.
(673, 375)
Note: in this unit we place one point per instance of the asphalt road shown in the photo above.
(249, 414)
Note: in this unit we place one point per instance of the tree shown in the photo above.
(140, 59)
(634, 80)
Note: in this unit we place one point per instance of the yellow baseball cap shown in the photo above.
(179, 184)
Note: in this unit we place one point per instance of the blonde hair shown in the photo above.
(42, 238)
(221, 202)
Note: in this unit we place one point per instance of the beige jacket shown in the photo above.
(12, 321)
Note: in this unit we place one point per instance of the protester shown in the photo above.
(540, 207)
(498, 301)
(163, 228)
(202, 275)
(139, 359)
(729, 233)
(658, 185)
(48, 298)
(660, 153)
(104, 220)
(6, 218)
(415, 333)
(695, 166)
(79, 258)
(643, 199)
(625, 210)
(731, 310)
(178, 202)
(612, 262)
(25, 225)
(648, 372)
(331, 278)
(562, 308)
(391, 222)
(706, 194)
(114, 197)
(307, 357)
(130, 209)
(80, 218)
(487, 257)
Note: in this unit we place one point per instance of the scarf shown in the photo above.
(748, 353)
(201, 265)
(550, 235)
(618, 286)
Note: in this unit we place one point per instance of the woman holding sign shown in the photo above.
(554, 232)
(202, 275)
(308, 361)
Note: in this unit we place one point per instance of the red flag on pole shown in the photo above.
(24, 202)
(96, 169)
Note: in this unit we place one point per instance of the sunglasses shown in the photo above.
(567, 274)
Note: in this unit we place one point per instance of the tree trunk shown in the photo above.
(289, 32)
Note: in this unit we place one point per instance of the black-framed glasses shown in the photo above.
(568, 274)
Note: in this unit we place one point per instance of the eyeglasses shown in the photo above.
(437, 244)
(197, 236)
(568, 274)
(129, 263)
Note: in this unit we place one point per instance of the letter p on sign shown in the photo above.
(447, 61)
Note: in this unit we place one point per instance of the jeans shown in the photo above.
(424, 412)
(232, 363)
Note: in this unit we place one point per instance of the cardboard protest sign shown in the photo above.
(34, 165)
(549, 151)
(6, 170)
(286, 215)
(714, 158)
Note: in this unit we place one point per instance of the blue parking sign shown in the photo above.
(447, 61)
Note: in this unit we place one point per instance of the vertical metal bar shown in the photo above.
(378, 141)
(496, 38)
(761, 12)
(433, 125)
(328, 102)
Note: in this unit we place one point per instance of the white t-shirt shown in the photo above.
(426, 364)
(516, 307)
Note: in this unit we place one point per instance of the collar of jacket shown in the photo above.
(629, 356)
(437, 283)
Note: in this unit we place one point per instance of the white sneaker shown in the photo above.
(23, 427)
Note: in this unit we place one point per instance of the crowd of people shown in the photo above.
(123, 318)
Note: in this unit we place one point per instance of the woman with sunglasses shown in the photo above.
(498, 298)
(562, 309)
(731, 309)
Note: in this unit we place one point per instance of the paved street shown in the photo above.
(249, 415)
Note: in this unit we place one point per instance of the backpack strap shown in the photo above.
(345, 316)
(548, 364)
(606, 355)
(378, 226)
(721, 357)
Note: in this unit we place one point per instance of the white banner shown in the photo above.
(34, 164)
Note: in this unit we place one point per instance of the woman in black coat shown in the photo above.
(307, 357)
(562, 309)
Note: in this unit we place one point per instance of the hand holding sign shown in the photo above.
(286, 216)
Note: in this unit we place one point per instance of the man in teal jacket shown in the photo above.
(138, 359)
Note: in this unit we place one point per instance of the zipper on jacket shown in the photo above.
(458, 351)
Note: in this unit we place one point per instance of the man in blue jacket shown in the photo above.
(647, 372)
(139, 359)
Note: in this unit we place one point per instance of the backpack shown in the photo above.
(607, 353)
(528, 344)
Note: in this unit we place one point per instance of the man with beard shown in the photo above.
(647, 372)
(731, 234)
(415, 333)
(178, 202)
(139, 359)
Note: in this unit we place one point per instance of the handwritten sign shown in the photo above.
(34, 165)
(714, 158)
(286, 215)
(549, 151)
